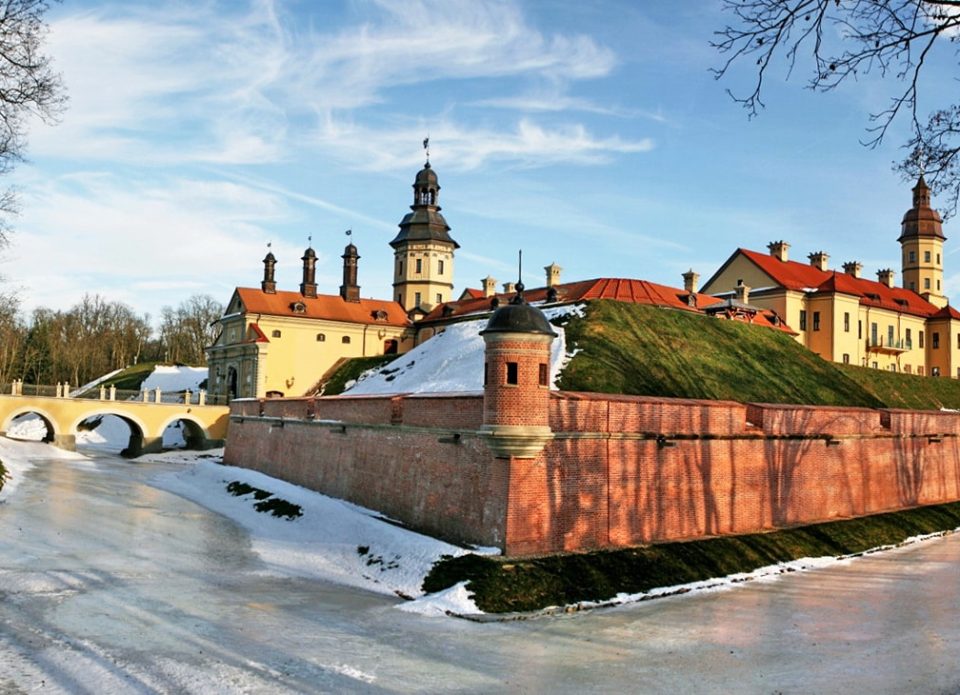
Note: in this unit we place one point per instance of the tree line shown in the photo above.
(97, 336)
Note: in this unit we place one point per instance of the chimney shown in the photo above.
(885, 276)
(742, 292)
(690, 281)
(489, 286)
(818, 259)
(308, 288)
(779, 249)
(350, 290)
(553, 274)
(509, 287)
(853, 268)
(269, 284)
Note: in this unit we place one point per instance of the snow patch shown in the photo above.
(334, 540)
(18, 457)
(175, 378)
(452, 361)
(455, 600)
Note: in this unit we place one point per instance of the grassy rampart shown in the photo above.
(503, 586)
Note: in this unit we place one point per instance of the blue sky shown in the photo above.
(589, 134)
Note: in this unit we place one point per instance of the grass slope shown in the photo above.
(503, 586)
(643, 350)
(906, 390)
(350, 370)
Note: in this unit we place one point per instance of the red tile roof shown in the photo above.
(617, 289)
(328, 307)
(803, 277)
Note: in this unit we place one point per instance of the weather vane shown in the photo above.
(349, 232)
(426, 147)
(518, 299)
(310, 240)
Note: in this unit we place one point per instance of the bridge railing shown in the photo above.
(112, 393)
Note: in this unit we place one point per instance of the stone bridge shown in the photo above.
(205, 426)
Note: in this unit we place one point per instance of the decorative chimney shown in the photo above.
(553, 274)
(489, 286)
(269, 284)
(742, 292)
(350, 290)
(516, 384)
(690, 281)
(853, 268)
(779, 249)
(308, 288)
(885, 276)
(818, 259)
(509, 287)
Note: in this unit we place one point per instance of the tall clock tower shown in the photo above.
(423, 249)
(921, 241)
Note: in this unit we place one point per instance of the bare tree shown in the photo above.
(28, 86)
(187, 330)
(842, 39)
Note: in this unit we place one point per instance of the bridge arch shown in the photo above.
(48, 420)
(195, 433)
(140, 441)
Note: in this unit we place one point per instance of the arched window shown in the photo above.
(275, 334)
(345, 340)
(321, 337)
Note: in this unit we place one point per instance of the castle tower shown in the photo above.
(308, 288)
(269, 283)
(516, 384)
(350, 290)
(921, 240)
(423, 250)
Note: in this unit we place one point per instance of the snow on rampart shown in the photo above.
(452, 361)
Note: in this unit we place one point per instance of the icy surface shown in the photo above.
(110, 585)
(452, 361)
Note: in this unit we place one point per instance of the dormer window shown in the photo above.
(379, 315)
(298, 307)
(275, 334)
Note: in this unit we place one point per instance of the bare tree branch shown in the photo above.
(845, 39)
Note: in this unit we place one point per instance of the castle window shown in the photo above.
(938, 285)
(513, 377)
(379, 315)
(321, 337)
(890, 339)
(846, 322)
(913, 257)
(920, 370)
(875, 365)
(958, 341)
(907, 369)
(926, 283)
(816, 320)
(920, 334)
(935, 371)
(345, 340)
(440, 267)
(803, 320)
(846, 358)
(486, 373)
(926, 256)
(859, 330)
(873, 333)
(909, 339)
(416, 299)
(544, 374)
(893, 367)
(938, 259)
(399, 267)
(439, 298)
(913, 286)
(936, 340)
(275, 334)
(419, 265)
(298, 307)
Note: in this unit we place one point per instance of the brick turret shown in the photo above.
(516, 390)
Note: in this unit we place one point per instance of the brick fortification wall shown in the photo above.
(619, 471)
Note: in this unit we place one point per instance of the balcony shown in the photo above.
(887, 347)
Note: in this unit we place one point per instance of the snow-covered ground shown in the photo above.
(333, 540)
(452, 361)
(18, 456)
(175, 378)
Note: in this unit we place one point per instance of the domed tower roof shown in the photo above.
(518, 317)
(921, 220)
(269, 258)
(309, 253)
(424, 223)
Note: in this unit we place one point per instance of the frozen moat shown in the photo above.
(110, 585)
